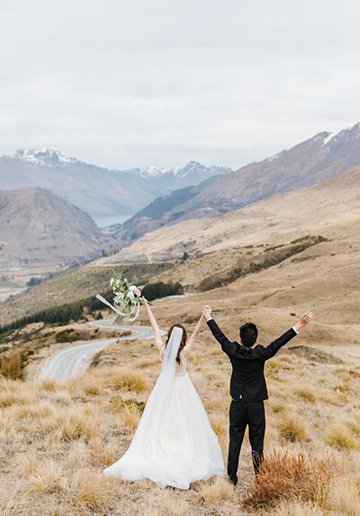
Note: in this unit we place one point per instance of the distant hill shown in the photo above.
(97, 191)
(37, 226)
(311, 209)
(308, 163)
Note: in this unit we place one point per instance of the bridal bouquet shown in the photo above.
(126, 297)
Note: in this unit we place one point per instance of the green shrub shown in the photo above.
(155, 290)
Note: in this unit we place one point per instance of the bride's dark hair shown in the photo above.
(183, 339)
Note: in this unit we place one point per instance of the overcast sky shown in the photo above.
(161, 82)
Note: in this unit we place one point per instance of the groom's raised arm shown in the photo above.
(226, 344)
(269, 351)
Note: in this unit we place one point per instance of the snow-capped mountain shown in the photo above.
(192, 168)
(318, 158)
(48, 157)
(162, 181)
(100, 192)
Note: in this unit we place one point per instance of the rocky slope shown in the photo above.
(39, 227)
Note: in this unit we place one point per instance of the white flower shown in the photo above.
(111, 282)
(130, 295)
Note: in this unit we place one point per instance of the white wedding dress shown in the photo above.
(174, 443)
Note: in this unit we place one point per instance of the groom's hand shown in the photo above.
(207, 312)
(303, 321)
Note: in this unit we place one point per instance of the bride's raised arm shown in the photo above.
(154, 325)
(191, 342)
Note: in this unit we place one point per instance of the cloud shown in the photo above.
(125, 84)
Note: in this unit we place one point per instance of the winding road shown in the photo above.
(75, 359)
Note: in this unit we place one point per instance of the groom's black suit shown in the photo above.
(248, 392)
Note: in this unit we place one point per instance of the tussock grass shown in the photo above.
(219, 403)
(345, 498)
(106, 454)
(46, 473)
(28, 463)
(91, 488)
(130, 416)
(306, 392)
(34, 411)
(353, 424)
(292, 428)
(126, 379)
(219, 424)
(278, 407)
(296, 509)
(50, 385)
(287, 477)
(147, 362)
(86, 385)
(12, 392)
(8, 427)
(170, 505)
(218, 490)
(73, 422)
(78, 454)
(339, 436)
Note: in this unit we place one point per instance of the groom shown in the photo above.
(248, 387)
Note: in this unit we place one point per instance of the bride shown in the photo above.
(174, 443)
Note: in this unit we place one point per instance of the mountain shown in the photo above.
(161, 181)
(39, 227)
(97, 191)
(313, 160)
(93, 189)
(305, 211)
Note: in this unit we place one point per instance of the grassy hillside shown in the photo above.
(74, 284)
(57, 438)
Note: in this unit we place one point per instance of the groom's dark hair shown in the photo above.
(248, 334)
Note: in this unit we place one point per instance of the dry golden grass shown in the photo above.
(44, 474)
(217, 490)
(122, 378)
(292, 427)
(78, 455)
(13, 392)
(91, 488)
(296, 509)
(58, 438)
(287, 477)
(344, 499)
(50, 385)
(73, 422)
(306, 392)
(340, 436)
(106, 454)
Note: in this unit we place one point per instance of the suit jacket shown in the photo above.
(247, 382)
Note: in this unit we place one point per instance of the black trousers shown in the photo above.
(241, 415)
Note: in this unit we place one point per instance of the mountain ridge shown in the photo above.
(269, 218)
(307, 163)
(97, 191)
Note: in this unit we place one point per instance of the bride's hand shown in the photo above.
(207, 312)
